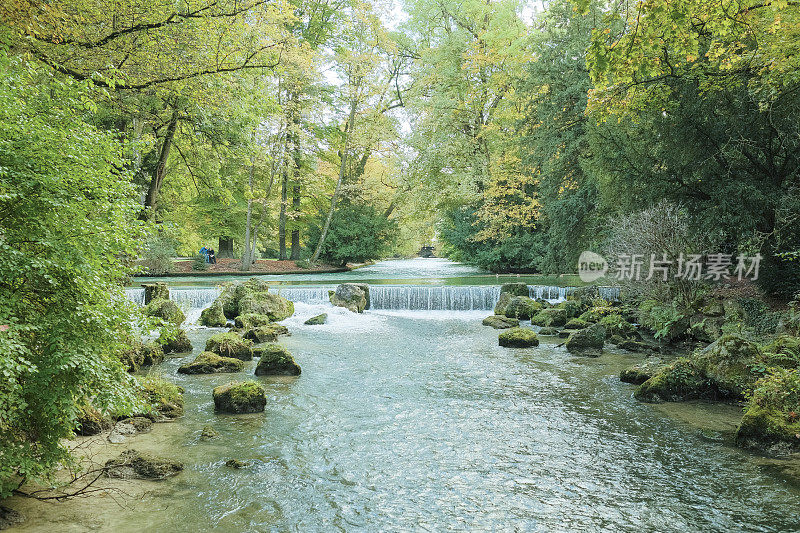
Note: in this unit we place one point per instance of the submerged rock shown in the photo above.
(211, 363)
(132, 464)
(681, 380)
(129, 427)
(518, 338)
(588, 342)
(548, 331)
(236, 463)
(230, 345)
(10, 517)
(351, 296)
(276, 361)
(500, 322)
(317, 320)
(178, 342)
(240, 397)
(213, 317)
(208, 433)
(166, 310)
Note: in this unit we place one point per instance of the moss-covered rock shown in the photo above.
(176, 342)
(500, 322)
(548, 331)
(553, 316)
(635, 346)
(276, 361)
(522, 307)
(251, 320)
(616, 325)
(211, 363)
(641, 372)
(588, 342)
(595, 314)
(240, 397)
(729, 363)
(155, 291)
(502, 303)
(706, 328)
(208, 433)
(141, 354)
(771, 421)
(261, 334)
(573, 308)
(132, 464)
(576, 323)
(230, 344)
(783, 351)
(213, 317)
(518, 338)
(317, 320)
(162, 398)
(274, 306)
(682, 380)
(90, 421)
(515, 289)
(351, 296)
(166, 310)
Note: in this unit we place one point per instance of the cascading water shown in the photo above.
(424, 298)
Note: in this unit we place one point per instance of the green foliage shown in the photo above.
(68, 222)
(199, 263)
(358, 233)
(157, 256)
(758, 316)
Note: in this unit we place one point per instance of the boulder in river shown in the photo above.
(351, 296)
(162, 398)
(276, 361)
(240, 397)
(576, 323)
(641, 372)
(588, 341)
(548, 331)
(771, 422)
(90, 421)
(230, 344)
(261, 334)
(251, 320)
(213, 317)
(176, 342)
(515, 289)
(317, 320)
(211, 363)
(141, 354)
(518, 338)
(155, 291)
(274, 306)
(552, 316)
(166, 310)
(132, 464)
(500, 322)
(615, 324)
(521, 307)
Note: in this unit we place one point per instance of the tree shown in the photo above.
(68, 226)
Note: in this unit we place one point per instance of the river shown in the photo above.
(416, 420)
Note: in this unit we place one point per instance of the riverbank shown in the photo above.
(231, 266)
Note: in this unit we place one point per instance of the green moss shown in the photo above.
(266, 303)
(681, 380)
(502, 303)
(230, 344)
(641, 372)
(595, 314)
(166, 310)
(518, 338)
(175, 342)
(573, 308)
(617, 325)
(588, 342)
(251, 320)
(522, 307)
(240, 397)
(514, 289)
(771, 421)
(162, 398)
(317, 320)
(783, 351)
(576, 323)
(211, 363)
(500, 322)
(276, 361)
(213, 317)
(552, 317)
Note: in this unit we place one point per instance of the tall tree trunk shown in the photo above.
(151, 199)
(295, 255)
(348, 129)
(247, 255)
(282, 217)
(225, 247)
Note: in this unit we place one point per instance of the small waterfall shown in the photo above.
(309, 295)
(448, 298)
(194, 298)
(135, 295)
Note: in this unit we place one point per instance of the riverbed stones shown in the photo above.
(276, 361)
(500, 322)
(317, 320)
(587, 342)
(211, 363)
(213, 317)
(132, 464)
(641, 372)
(240, 397)
(351, 296)
(208, 433)
(166, 310)
(129, 427)
(155, 291)
(236, 464)
(177, 342)
(518, 338)
(230, 344)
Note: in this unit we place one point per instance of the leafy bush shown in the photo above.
(357, 233)
(199, 263)
(157, 256)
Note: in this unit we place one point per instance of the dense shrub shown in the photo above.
(357, 233)
(157, 256)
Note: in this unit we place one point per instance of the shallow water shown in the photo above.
(420, 421)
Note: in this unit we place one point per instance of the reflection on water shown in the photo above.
(420, 421)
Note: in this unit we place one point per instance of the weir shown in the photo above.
(388, 297)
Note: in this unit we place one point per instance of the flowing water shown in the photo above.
(416, 420)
